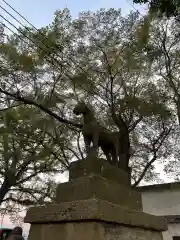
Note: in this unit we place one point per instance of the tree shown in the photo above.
(98, 57)
(28, 158)
(31, 156)
(169, 8)
(163, 45)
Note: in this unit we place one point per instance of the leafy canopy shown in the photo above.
(105, 59)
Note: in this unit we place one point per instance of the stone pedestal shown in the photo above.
(97, 203)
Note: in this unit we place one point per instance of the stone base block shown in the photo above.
(84, 188)
(90, 231)
(94, 210)
(100, 167)
(97, 203)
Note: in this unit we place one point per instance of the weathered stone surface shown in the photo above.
(100, 188)
(94, 210)
(98, 166)
(89, 206)
(116, 232)
(90, 231)
(66, 231)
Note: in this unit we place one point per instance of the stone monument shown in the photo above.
(97, 203)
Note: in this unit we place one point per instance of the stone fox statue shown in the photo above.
(96, 134)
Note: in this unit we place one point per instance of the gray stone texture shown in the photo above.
(100, 167)
(116, 232)
(100, 188)
(90, 231)
(94, 209)
(97, 203)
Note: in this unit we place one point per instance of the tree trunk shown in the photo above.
(178, 110)
(124, 149)
(4, 189)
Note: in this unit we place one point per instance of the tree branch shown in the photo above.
(134, 124)
(145, 170)
(41, 107)
(159, 141)
(23, 202)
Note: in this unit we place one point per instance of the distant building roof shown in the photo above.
(159, 187)
(171, 219)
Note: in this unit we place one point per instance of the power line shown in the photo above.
(36, 30)
(26, 42)
(11, 29)
(75, 64)
(31, 41)
(19, 14)
(41, 42)
(10, 23)
(12, 16)
(132, 5)
(41, 49)
(2, 33)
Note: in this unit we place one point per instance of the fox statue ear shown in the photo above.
(80, 98)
